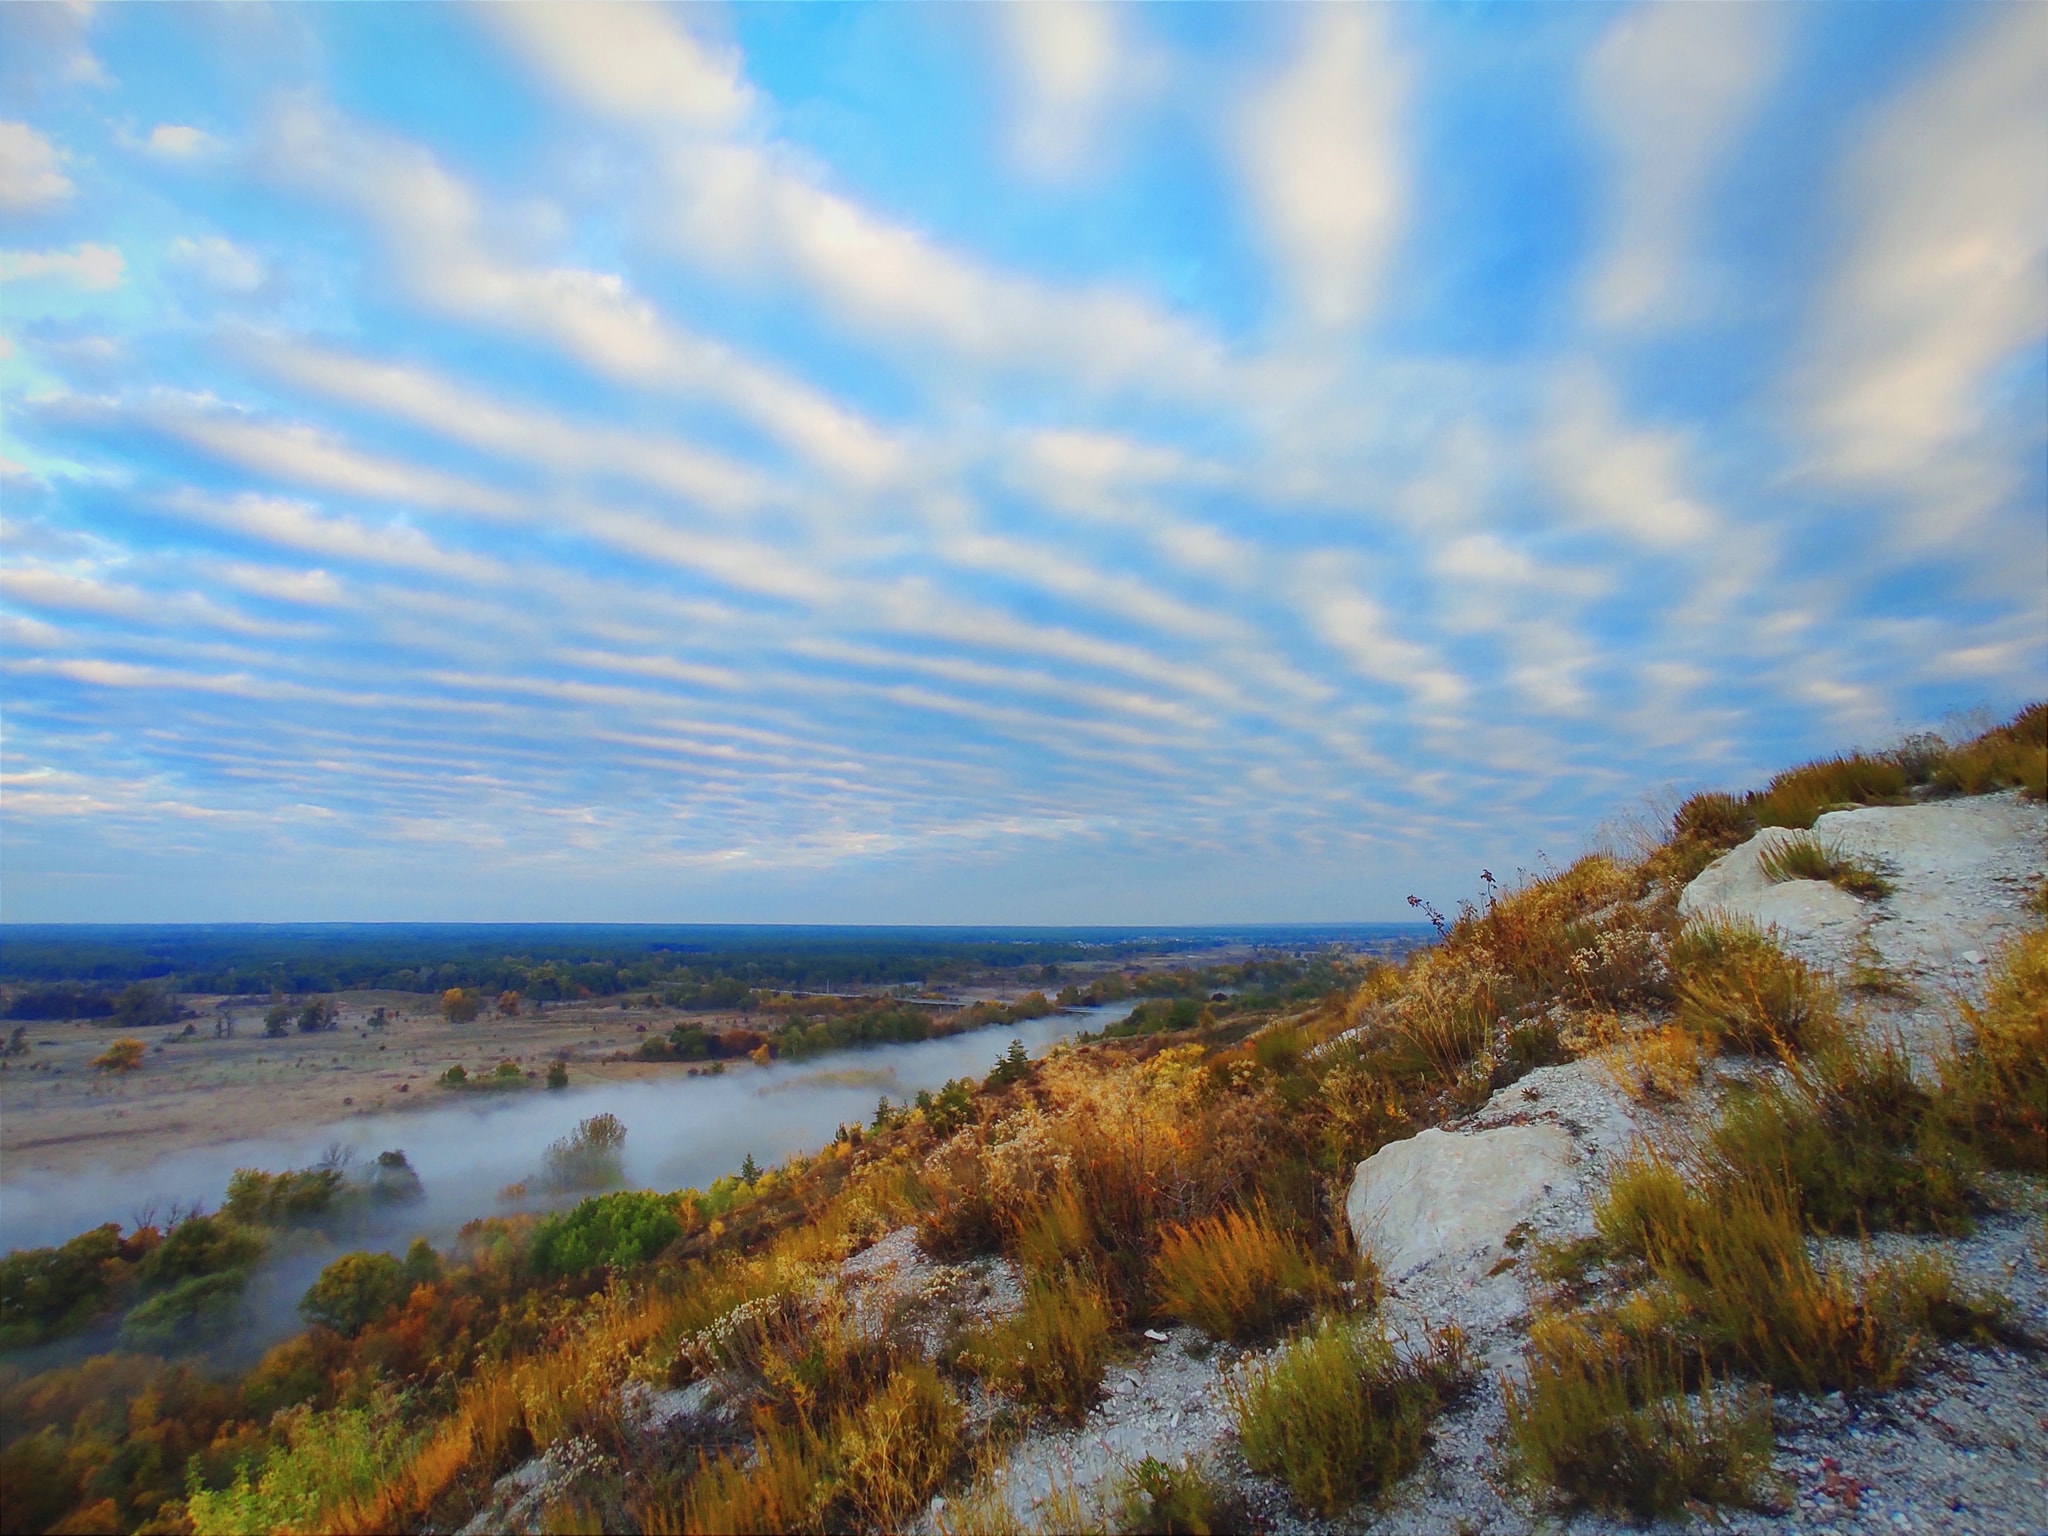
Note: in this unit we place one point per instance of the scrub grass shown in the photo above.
(1995, 1090)
(1156, 1498)
(1806, 858)
(1607, 1423)
(1740, 993)
(1339, 1414)
(1052, 1353)
(1236, 1276)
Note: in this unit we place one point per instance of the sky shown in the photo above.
(988, 464)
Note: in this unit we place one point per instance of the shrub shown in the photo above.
(1154, 1498)
(190, 1315)
(614, 1231)
(326, 1461)
(1659, 1065)
(1608, 1423)
(558, 1074)
(1738, 991)
(1995, 1092)
(121, 1056)
(293, 1198)
(1235, 1276)
(897, 1448)
(455, 1076)
(1339, 1414)
(1052, 1353)
(200, 1245)
(354, 1291)
(589, 1157)
(1733, 1260)
(1856, 1137)
(48, 1292)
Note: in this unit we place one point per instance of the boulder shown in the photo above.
(1452, 1195)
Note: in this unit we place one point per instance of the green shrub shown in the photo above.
(1154, 1498)
(1339, 1414)
(614, 1231)
(354, 1291)
(326, 1460)
(190, 1315)
(1864, 1146)
(1603, 1422)
(48, 1292)
(295, 1198)
(200, 1245)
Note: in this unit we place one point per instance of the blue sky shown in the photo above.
(987, 464)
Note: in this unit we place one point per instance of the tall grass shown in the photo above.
(1620, 1425)
(1052, 1353)
(1740, 992)
(1995, 1090)
(1236, 1276)
(1807, 858)
(1340, 1414)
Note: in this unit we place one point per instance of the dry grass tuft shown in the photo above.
(1236, 1276)
(1607, 1422)
(1339, 1414)
(1995, 1092)
(1806, 858)
(1739, 992)
(1052, 1353)
(1659, 1066)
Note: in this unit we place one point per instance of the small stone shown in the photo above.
(1973, 957)
(1155, 1335)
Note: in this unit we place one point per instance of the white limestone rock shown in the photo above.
(1453, 1196)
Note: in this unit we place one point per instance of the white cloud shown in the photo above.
(1067, 59)
(308, 456)
(430, 222)
(631, 61)
(314, 588)
(470, 417)
(1670, 87)
(1629, 480)
(91, 267)
(219, 263)
(1361, 631)
(1320, 149)
(180, 141)
(299, 525)
(29, 177)
(1947, 273)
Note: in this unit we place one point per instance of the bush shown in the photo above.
(190, 1315)
(48, 1292)
(1608, 1423)
(1236, 1276)
(558, 1074)
(589, 1157)
(1156, 1499)
(121, 1056)
(1861, 1143)
(354, 1291)
(1995, 1092)
(295, 1198)
(327, 1460)
(1339, 1414)
(1733, 1261)
(897, 1448)
(200, 1245)
(1739, 992)
(614, 1231)
(1052, 1353)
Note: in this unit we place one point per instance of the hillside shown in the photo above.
(1701, 1180)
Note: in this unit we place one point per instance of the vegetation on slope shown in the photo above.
(1132, 1179)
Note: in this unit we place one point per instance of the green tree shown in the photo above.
(354, 1291)
(317, 1016)
(616, 1231)
(278, 1020)
(750, 1171)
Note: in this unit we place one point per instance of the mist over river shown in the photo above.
(681, 1132)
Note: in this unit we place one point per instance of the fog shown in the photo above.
(681, 1132)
